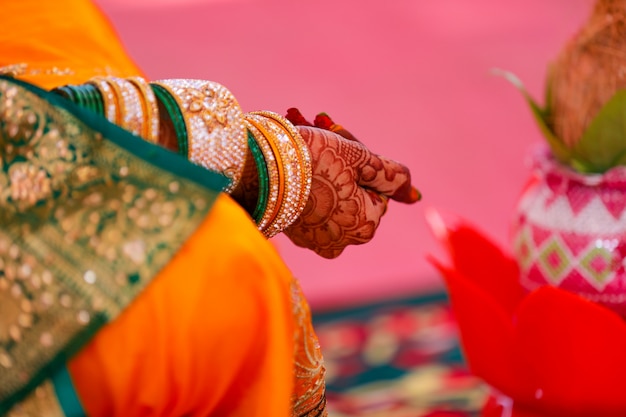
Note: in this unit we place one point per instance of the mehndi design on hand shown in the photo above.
(349, 192)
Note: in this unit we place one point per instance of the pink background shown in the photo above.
(410, 78)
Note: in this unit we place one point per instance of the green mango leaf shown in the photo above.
(559, 150)
(603, 145)
(547, 99)
(621, 160)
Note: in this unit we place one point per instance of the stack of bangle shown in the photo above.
(288, 163)
(209, 125)
(129, 103)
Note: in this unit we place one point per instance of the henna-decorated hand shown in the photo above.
(349, 192)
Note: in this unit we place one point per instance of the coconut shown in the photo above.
(588, 71)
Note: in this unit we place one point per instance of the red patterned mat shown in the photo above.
(398, 358)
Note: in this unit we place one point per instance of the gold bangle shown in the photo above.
(291, 175)
(108, 96)
(150, 109)
(215, 126)
(131, 115)
(303, 162)
(292, 200)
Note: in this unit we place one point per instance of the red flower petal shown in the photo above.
(478, 259)
(575, 351)
(552, 352)
(323, 121)
(296, 118)
(486, 330)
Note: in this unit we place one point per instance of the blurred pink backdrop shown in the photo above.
(410, 78)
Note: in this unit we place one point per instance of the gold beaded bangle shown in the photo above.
(290, 133)
(119, 103)
(130, 104)
(274, 173)
(216, 132)
(108, 96)
(130, 116)
(150, 109)
(289, 178)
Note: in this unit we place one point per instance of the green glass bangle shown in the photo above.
(66, 92)
(86, 96)
(264, 182)
(82, 97)
(78, 97)
(89, 104)
(97, 98)
(171, 106)
(93, 97)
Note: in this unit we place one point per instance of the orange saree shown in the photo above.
(209, 336)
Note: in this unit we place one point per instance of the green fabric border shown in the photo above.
(66, 394)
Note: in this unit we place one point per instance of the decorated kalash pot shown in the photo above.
(570, 229)
(545, 328)
(570, 232)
